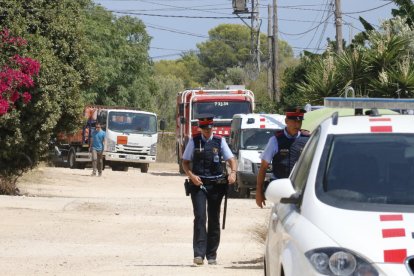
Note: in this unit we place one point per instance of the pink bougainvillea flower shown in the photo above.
(4, 106)
(15, 96)
(28, 66)
(26, 97)
(3, 87)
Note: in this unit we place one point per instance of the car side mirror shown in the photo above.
(280, 189)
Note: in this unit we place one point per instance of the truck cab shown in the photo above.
(249, 135)
(223, 104)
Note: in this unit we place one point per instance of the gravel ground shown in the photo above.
(123, 223)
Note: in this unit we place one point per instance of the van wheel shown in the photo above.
(144, 168)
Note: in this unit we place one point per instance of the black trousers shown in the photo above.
(206, 208)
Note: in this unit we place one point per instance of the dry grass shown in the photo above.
(8, 186)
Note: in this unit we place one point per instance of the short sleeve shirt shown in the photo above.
(225, 150)
(97, 140)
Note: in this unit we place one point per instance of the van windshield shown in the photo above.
(255, 138)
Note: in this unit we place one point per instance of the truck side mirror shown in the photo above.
(182, 120)
(162, 124)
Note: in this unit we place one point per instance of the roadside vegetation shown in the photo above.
(57, 56)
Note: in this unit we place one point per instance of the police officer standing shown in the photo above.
(208, 188)
(282, 150)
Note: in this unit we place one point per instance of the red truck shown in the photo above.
(222, 103)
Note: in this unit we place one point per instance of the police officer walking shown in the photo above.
(282, 150)
(209, 185)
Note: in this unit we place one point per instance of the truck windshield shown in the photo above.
(255, 138)
(130, 122)
(221, 109)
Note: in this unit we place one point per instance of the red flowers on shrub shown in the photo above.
(16, 73)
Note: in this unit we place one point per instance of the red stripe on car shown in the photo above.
(381, 128)
(391, 217)
(380, 119)
(393, 233)
(262, 126)
(395, 255)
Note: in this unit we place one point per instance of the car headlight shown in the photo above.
(153, 149)
(340, 262)
(110, 145)
(245, 165)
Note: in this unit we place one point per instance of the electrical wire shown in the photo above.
(307, 31)
(178, 16)
(368, 10)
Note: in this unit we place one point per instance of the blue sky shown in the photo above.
(178, 25)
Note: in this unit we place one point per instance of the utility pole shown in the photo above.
(240, 7)
(276, 91)
(255, 35)
(338, 24)
(270, 57)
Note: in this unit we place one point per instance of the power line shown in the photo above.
(175, 31)
(376, 8)
(307, 31)
(328, 5)
(178, 16)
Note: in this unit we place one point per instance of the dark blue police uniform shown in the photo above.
(206, 203)
(290, 149)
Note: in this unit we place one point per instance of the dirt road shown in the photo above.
(124, 223)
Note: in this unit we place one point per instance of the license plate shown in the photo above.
(131, 157)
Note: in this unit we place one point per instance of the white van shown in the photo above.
(249, 135)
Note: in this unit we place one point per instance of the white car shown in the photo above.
(348, 206)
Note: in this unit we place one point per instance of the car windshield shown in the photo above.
(130, 122)
(255, 138)
(371, 168)
(221, 109)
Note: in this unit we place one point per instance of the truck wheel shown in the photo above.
(144, 168)
(244, 192)
(72, 159)
(119, 168)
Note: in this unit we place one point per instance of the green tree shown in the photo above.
(228, 46)
(405, 10)
(167, 87)
(53, 32)
(379, 64)
(118, 48)
(390, 57)
(187, 68)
